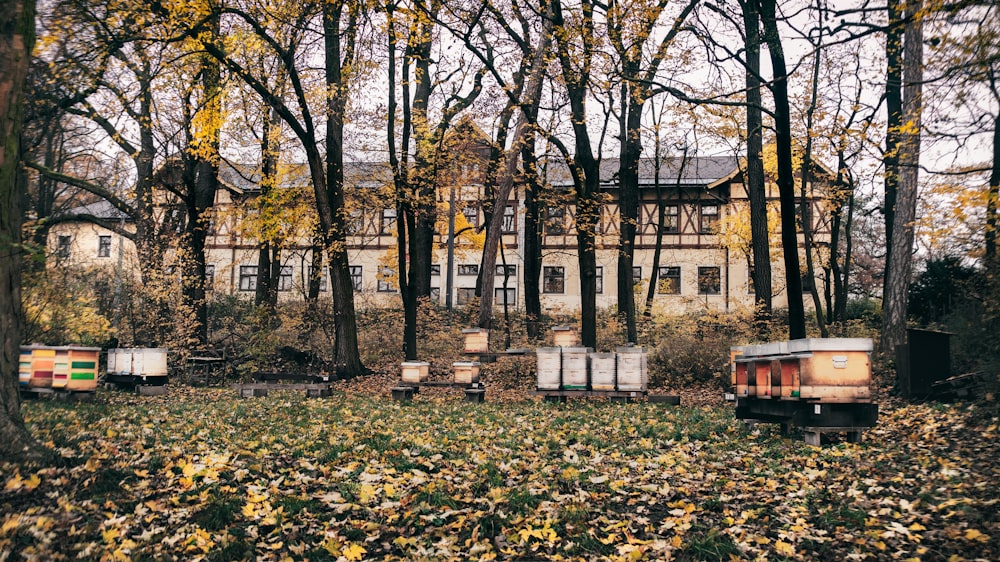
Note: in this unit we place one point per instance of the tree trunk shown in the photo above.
(893, 126)
(17, 33)
(805, 204)
(532, 240)
(760, 240)
(994, 195)
(346, 355)
(786, 179)
(900, 263)
(628, 202)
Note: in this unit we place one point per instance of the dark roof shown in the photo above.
(100, 209)
(699, 171)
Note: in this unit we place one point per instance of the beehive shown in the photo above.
(633, 372)
(565, 336)
(415, 371)
(574, 368)
(83, 363)
(60, 372)
(149, 362)
(466, 372)
(43, 362)
(120, 361)
(477, 340)
(737, 371)
(24, 367)
(832, 369)
(548, 368)
(603, 371)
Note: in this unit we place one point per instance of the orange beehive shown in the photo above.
(834, 369)
(83, 369)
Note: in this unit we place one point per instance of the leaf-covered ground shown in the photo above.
(202, 474)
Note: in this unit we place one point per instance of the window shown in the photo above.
(103, 246)
(509, 220)
(435, 269)
(709, 281)
(210, 227)
(285, 278)
(599, 278)
(468, 269)
(709, 219)
(555, 221)
(671, 219)
(553, 279)
(669, 282)
(509, 270)
(465, 295)
(435, 294)
(248, 277)
(502, 297)
(209, 277)
(355, 223)
(471, 213)
(323, 281)
(386, 282)
(388, 225)
(636, 274)
(62, 249)
(356, 277)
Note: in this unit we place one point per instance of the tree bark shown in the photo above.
(893, 126)
(17, 34)
(760, 240)
(900, 265)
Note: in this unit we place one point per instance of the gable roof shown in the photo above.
(699, 171)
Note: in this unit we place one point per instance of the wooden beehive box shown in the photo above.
(466, 372)
(833, 369)
(565, 336)
(415, 371)
(477, 340)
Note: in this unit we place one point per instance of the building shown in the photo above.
(703, 264)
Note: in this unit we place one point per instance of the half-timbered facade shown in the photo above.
(700, 202)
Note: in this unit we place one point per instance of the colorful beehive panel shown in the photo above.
(24, 367)
(43, 363)
(83, 363)
(60, 373)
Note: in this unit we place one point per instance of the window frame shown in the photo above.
(248, 279)
(668, 272)
(468, 269)
(356, 273)
(388, 221)
(708, 225)
(509, 219)
(384, 286)
(104, 246)
(703, 270)
(552, 274)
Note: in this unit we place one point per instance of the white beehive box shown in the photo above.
(549, 368)
(633, 372)
(603, 371)
(574, 368)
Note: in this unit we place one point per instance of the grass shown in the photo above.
(208, 475)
